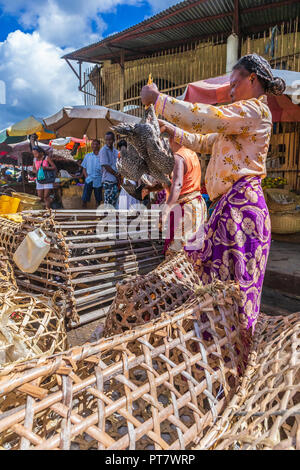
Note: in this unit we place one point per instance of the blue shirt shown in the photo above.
(108, 157)
(93, 168)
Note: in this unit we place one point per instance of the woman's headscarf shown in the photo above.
(254, 63)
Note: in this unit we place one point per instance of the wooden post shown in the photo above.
(122, 78)
(23, 177)
(236, 24)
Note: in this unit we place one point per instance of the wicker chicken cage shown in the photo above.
(28, 326)
(146, 298)
(159, 386)
(265, 412)
(90, 252)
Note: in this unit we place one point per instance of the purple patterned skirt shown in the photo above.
(236, 245)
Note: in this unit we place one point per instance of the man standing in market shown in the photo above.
(93, 175)
(110, 176)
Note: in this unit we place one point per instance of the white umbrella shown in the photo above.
(92, 121)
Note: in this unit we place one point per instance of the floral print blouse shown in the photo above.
(236, 135)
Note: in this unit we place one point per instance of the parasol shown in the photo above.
(92, 121)
(216, 91)
(27, 126)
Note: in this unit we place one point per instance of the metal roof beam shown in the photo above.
(142, 51)
(175, 26)
(236, 18)
(71, 66)
(124, 48)
(166, 17)
(269, 5)
(135, 34)
(258, 28)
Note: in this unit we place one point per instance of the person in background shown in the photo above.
(110, 176)
(184, 193)
(92, 172)
(125, 200)
(5, 177)
(20, 177)
(40, 158)
(79, 172)
(237, 135)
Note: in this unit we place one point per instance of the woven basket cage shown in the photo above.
(285, 222)
(28, 326)
(159, 386)
(82, 267)
(7, 278)
(146, 297)
(265, 412)
(274, 195)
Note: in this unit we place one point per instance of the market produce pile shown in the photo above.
(270, 182)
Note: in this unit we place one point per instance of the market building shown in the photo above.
(191, 41)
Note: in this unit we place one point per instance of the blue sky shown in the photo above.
(34, 36)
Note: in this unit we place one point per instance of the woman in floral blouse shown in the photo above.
(237, 237)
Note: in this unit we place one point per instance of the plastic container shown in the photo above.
(32, 251)
(9, 205)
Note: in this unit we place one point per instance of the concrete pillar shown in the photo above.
(232, 52)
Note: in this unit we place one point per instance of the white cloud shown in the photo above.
(37, 80)
(160, 5)
(68, 29)
(65, 23)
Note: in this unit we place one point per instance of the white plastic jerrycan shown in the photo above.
(31, 252)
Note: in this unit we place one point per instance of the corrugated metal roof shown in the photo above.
(188, 20)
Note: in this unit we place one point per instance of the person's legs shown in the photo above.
(236, 247)
(47, 198)
(98, 195)
(40, 193)
(87, 193)
(191, 222)
(111, 193)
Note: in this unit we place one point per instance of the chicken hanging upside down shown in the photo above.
(147, 152)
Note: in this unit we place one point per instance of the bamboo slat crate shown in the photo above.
(160, 386)
(83, 266)
(265, 412)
